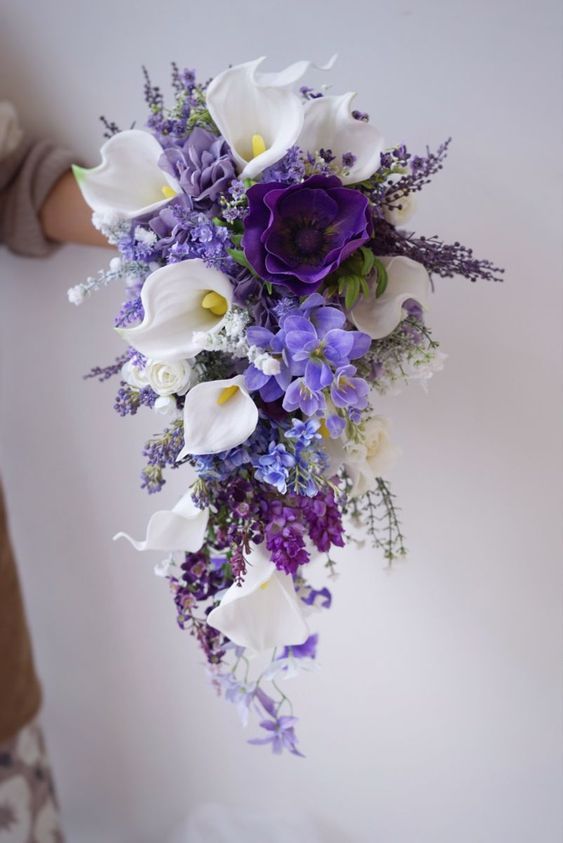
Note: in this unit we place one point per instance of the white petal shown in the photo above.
(211, 426)
(264, 612)
(244, 102)
(329, 125)
(406, 279)
(181, 528)
(129, 181)
(172, 298)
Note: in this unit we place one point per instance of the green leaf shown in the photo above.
(364, 287)
(381, 278)
(368, 260)
(236, 239)
(239, 256)
(352, 292)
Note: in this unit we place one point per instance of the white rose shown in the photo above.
(169, 378)
(134, 375)
(10, 132)
(399, 215)
(374, 458)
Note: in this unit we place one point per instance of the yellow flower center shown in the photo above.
(258, 145)
(323, 430)
(168, 192)
(215, 303)
(226, 394)
(265, 585)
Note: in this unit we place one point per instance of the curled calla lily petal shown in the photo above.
(129, 181)
(181, 528)
(406, 279)
(329, 124)
(259, 114)
(218, 415)
(264, 612)
(180, 301)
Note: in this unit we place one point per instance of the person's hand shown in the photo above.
(66, 218)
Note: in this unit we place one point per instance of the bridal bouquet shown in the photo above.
(271, 295)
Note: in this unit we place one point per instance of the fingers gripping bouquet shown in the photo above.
(271, 296)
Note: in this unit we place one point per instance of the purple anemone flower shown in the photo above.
(204, 166)
(296, 236)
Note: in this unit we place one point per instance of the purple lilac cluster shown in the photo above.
(299, 246)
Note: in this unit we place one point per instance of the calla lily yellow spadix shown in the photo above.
(264, 611)
(379, 316)
(128, 182)
(181, 528)
(259, 114)
(218, 415)
(180, 301)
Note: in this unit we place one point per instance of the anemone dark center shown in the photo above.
(309, 241)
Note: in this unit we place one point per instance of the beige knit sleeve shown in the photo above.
(27, 174)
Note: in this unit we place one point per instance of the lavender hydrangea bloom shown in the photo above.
(296, 236)
(204, 166)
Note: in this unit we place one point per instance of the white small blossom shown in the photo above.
(263, 361)
(77, 294)
(142, 235)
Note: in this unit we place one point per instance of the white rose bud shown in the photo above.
(169, 378)
(372, 459)
(165, 405)
(133, 375)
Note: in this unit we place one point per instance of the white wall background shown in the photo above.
(436, 716)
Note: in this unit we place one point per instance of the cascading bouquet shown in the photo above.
(271, 295)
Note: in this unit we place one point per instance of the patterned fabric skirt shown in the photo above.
(28, 805)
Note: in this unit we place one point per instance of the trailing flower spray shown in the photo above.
(271, 295)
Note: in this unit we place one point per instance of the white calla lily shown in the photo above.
(329, 124)
(179, 300)
(259, 114)
(406, 279)
(129, 181)
(181, 528)
(263, 612)
(218, 415)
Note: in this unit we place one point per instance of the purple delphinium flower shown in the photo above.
(284, 537)
(281, 734)
(320, 598)
(324, 521)
(317, 343)
(273, 467)
(307, 650)
(296, 236)
(348, 391)
(299, 396)
(203, 166)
